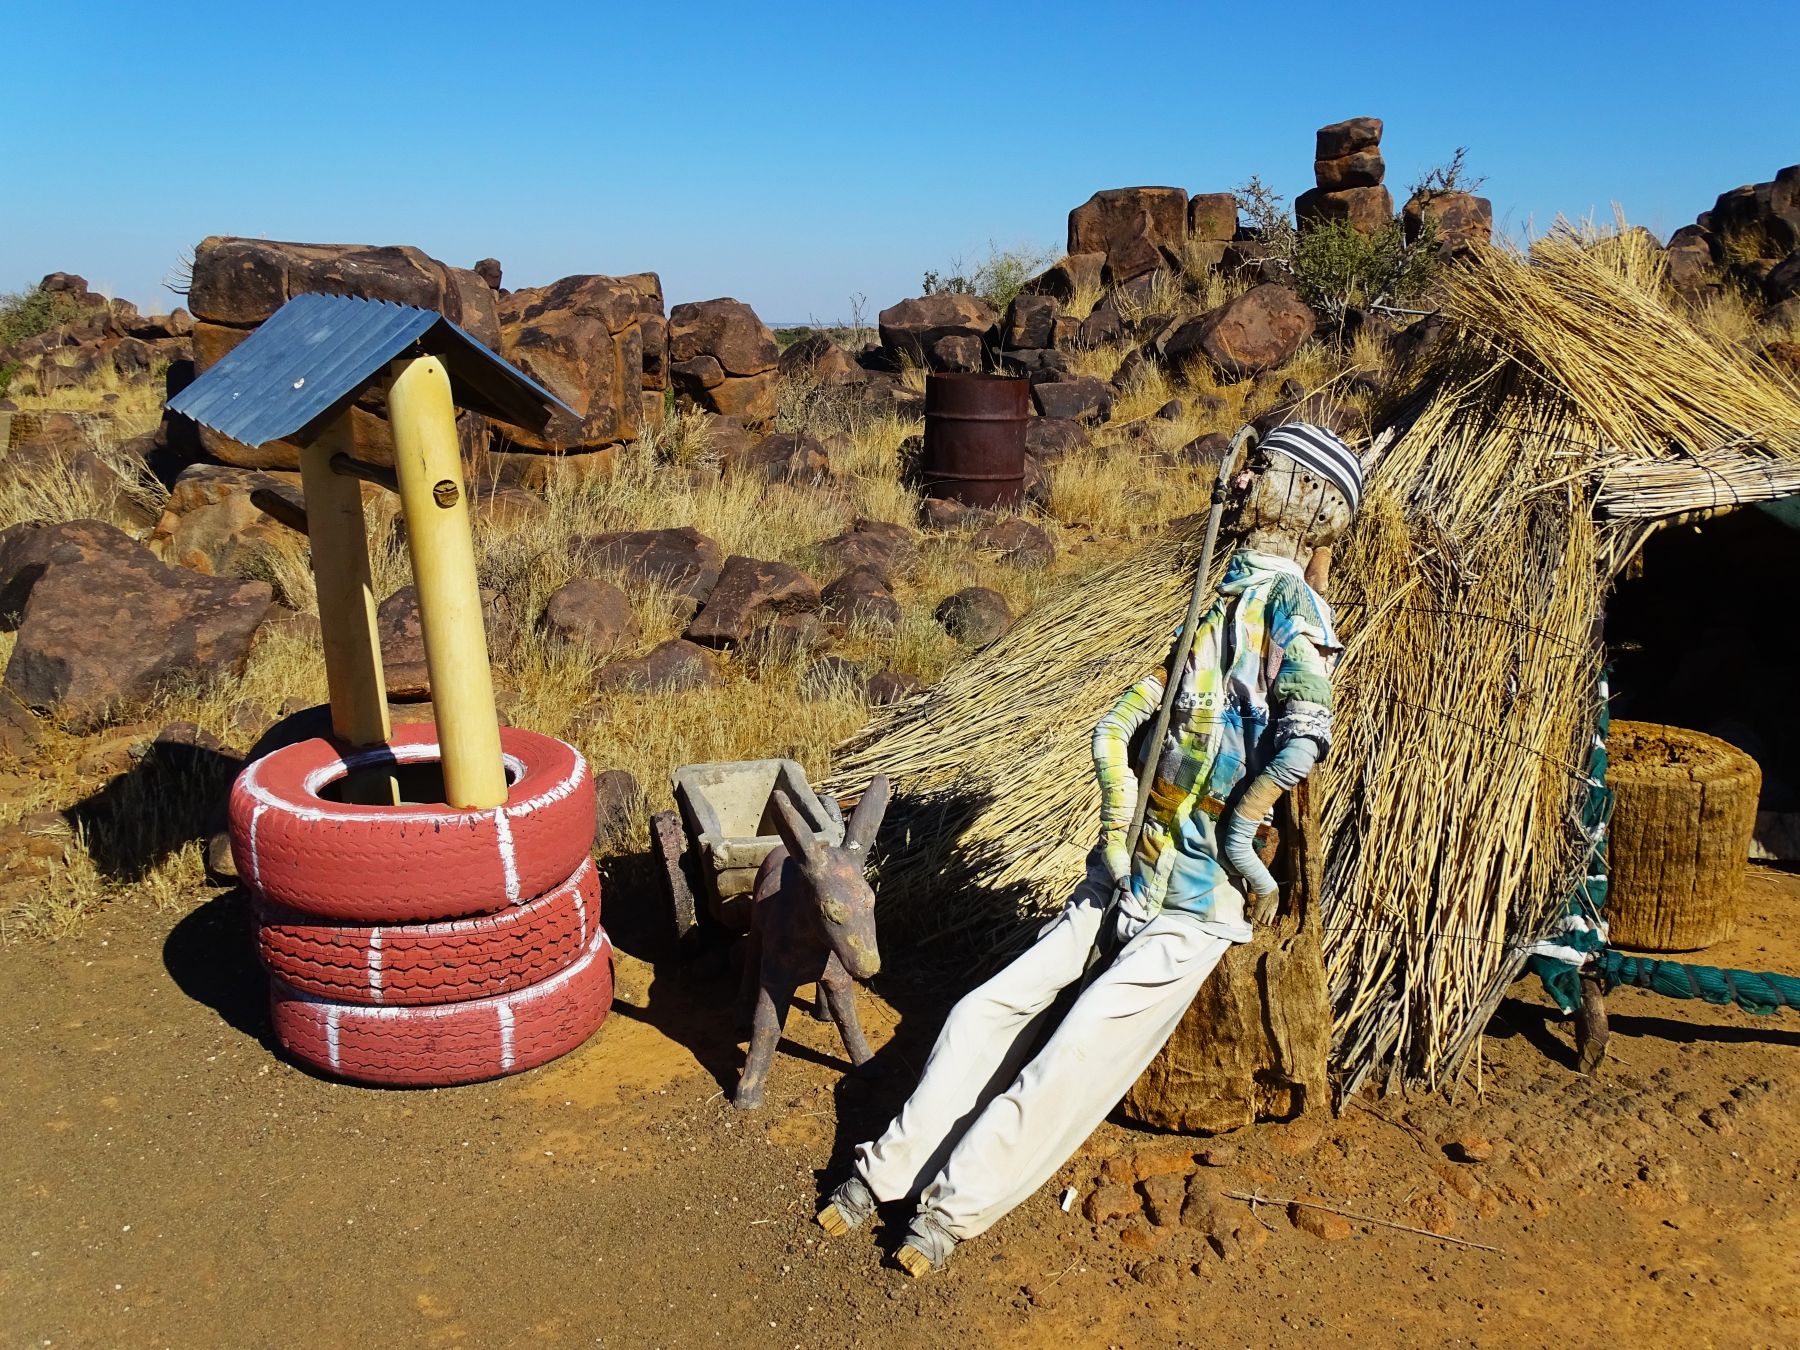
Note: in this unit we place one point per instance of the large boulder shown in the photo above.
(945, 331)
(976, 615)
(683, 559)
(1030, 321)
(1213, 217)
(1364, 209)
(209, 520)
(750, 592)
(723, 359)
(1139, 229)
(238, 283)
(1255, 332)
(108, 623)
(26, 550)
(402, 637)
(581, 339)
(589, 613)
(1347, 137)
(860, 599)
(1077, 273)
(1693, 270)
(1348, 155)
(1462, 219)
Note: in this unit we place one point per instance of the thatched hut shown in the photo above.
(1569, 412)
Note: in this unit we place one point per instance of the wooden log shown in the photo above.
(428, 463)
(1253, 1045)
(1683, 814)
(339, 538)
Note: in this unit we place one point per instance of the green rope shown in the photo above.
(1753, 991)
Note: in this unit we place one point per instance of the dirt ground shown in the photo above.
(169, 1181)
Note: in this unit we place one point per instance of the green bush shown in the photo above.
(997, 279)
(25, 314)
(1334, 266)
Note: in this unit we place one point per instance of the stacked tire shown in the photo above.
(424, 945)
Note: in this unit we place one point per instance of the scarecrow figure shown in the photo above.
(1005, 1098)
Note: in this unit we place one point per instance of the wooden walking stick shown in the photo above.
(1184, 643)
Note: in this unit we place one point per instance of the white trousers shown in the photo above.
(990, 1121)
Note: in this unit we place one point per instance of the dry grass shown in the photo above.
(134, 404)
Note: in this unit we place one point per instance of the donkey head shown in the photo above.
(846, 904)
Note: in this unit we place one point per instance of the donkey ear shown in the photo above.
(794, 831)
(866, 819)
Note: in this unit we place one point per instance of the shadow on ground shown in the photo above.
(211, 956)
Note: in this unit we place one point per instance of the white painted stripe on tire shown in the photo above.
(505, 1014)
(509, 862)
(375, 964)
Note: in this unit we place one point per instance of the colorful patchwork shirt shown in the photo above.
(1258, 675)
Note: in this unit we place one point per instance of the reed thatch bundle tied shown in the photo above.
(1570, 408)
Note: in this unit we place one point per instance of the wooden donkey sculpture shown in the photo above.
(813, 919)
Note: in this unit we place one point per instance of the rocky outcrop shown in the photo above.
(238, 283)
(92, 337)
(107, 623)
(1749, 240)
(1137, 229)
(947, 331)
(723, 359)
(582, 339)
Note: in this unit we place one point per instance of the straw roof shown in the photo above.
(1569, 410)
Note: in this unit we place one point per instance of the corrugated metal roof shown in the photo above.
(311, 357)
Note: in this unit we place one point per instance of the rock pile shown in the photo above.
(1749, 240)
(722, 359)
(1348, 170)
(94, 336)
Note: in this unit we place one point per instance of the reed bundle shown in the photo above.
(1469, 598)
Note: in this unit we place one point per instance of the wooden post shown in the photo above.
(428, 462)
(340, 568)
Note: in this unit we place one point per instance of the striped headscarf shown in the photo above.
(1321, 451)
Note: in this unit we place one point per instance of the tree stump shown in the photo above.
(1253, 1045)
(1684, 810)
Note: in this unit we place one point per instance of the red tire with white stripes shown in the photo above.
(447, 1043)
(450, 962)
(408, 863)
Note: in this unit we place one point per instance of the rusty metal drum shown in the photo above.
(975, 438)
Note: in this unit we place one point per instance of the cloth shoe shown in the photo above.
(849, 1206)
(927, 1247)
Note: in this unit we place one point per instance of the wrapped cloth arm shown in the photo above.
(1302, 689)
(1112, 762)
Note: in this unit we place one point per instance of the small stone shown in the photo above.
(1468, 1148)
(891, 686)
(828, 675)
(976, 615)
(1163, 1198)
(1107, 1203)
(618, 797)
(1017, 541)
(1320, 1223)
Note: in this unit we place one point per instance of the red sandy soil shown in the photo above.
(170, 1181)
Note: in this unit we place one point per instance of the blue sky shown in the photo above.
(793, 155)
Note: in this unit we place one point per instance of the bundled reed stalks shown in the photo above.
(1469, 598)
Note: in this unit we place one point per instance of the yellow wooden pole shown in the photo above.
(340, 568)
(428, 462)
